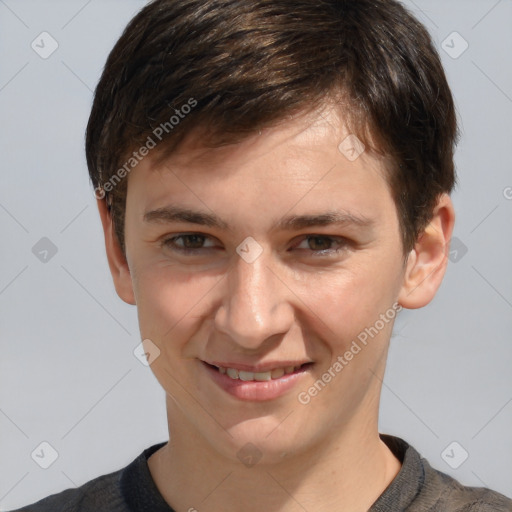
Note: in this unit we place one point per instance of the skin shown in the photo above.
(290, 303)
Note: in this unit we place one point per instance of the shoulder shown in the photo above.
(448, 494)
(419, 487)
(113, 491)
(101, 493)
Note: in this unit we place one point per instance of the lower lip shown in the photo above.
(256, 391)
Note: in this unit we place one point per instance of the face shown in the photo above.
(265, 276)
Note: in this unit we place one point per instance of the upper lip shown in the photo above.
(258, 368)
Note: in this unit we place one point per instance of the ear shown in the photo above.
(428, 259)
(116, 260)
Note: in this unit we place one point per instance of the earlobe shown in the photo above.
(428, 260)
(116, 259)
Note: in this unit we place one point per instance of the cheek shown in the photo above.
(348, 302)
(169, 302)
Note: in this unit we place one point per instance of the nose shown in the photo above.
(256, 306)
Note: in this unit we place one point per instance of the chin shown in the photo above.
(263, 440)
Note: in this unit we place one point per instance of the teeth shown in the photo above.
(245, 375)
(232, 373)
(263, 376)
(253, 376)
(276, 373)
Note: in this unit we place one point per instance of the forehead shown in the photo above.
(308, 161)
(306, 135)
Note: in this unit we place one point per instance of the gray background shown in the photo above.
(68, 375)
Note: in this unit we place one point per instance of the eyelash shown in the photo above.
(170, 242)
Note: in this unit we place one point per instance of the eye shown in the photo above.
(322, 244)
(191, 242)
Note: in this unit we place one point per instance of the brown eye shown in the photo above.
(319, 243)
(190, 243)
(323, 244)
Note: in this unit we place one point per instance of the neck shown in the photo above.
(347, 471)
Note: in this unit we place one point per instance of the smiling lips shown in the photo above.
(276, 373)
(259, 385)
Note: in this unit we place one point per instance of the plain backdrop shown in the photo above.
(68, 375)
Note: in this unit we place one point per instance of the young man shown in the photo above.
(273, 181)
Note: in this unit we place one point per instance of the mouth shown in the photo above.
(259, 376)
(257, 384)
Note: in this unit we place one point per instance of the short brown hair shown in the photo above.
(244, 65)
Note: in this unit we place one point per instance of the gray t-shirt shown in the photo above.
(417, 488)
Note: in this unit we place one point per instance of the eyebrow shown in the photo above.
(173, 213)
